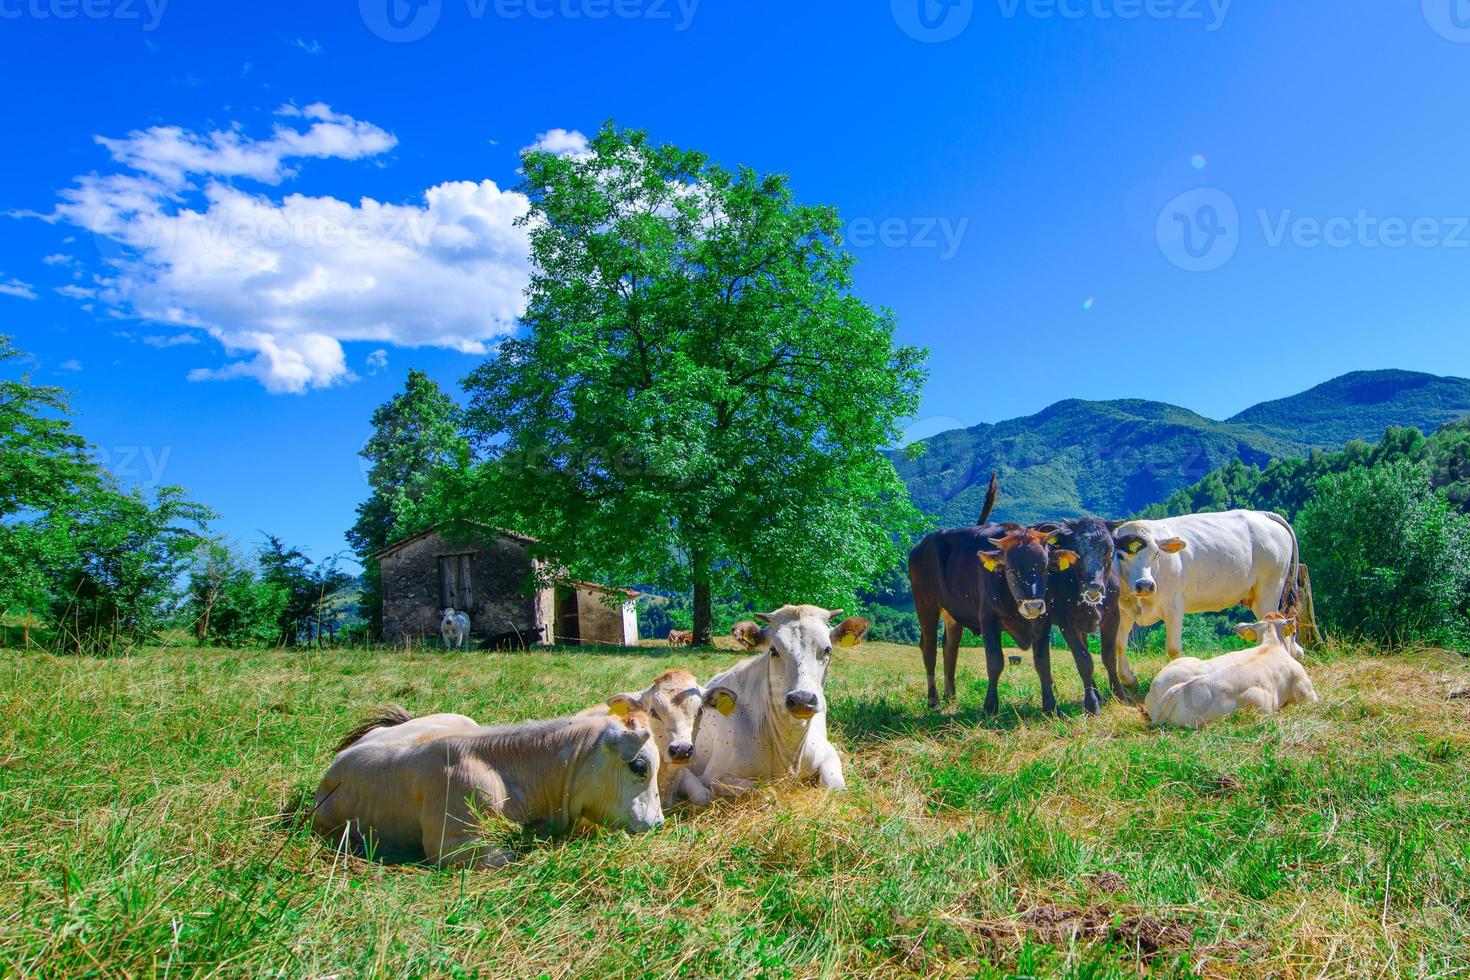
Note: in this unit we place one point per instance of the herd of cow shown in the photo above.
(404, 787)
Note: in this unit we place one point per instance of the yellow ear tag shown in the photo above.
(619, 707)
(1063, 564)
(848, 640)
(724, 703)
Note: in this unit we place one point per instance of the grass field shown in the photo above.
(148, 805)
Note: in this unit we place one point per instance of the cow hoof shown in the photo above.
(1091, 702)
(933, 703)
(992, 707)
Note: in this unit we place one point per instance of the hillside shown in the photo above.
(1117, 457)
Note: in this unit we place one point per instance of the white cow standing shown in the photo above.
(779, 724)
(1268, 677)
(1199, 563)
(454, 629)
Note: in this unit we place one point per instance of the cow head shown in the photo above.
(1138, 548)
(617, 782)
(800, 641)
(674, 703)
(1024, 556)
(1274, 628)
(1092, 541)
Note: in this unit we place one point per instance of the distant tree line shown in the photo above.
(89, 566)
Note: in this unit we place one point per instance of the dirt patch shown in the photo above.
(1109, 882)
(1459, 695)
(1060, 925)
(1225, 784)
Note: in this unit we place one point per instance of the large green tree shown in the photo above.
(698, 399)
(414, 451)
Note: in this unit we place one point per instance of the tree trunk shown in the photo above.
(703, 613)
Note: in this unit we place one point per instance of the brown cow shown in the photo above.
(681, 638)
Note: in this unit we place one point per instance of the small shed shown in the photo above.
(490, 576)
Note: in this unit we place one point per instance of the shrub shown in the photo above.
(1390, 558)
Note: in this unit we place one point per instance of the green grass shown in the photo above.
(147, 802)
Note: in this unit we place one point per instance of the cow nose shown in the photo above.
(681, 751)
(802, 701)
(1093, 597)
(1032, 608)
(1143, 588)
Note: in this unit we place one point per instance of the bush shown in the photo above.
(1390, 558)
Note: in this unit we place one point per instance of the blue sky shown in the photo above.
(1210, 205)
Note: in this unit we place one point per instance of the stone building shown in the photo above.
(490, 577)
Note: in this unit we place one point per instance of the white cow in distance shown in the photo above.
(779, 724)
(1199, 563)
(1190, 692)
(454, 629)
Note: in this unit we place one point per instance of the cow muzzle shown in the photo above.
(803, 704)
(1033, 608)
(1144, 589)
(1093, 597)
(681, 752)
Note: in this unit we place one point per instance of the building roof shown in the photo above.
(434, 529)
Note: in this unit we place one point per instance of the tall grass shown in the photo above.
(150, 825)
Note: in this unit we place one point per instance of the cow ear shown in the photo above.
(850, 632)
(1288, 627)
(623, 705)
(1247, 632)
(834, 614)
(993, 561)
(749, 635)
(1063, 560)
(1172, 545)
(722, 699)
(763, 617)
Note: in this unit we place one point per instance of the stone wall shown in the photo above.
(500, 572)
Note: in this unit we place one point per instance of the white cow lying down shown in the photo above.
(1190, 692)
(409, 788)
(676, 706)
(779, 724)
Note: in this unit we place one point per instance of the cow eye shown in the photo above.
(774, 654)
(827, 652)
(639, 766)
(653, 713)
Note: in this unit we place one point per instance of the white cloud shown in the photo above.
(562, 142)
(170, 340)
(14, 287)
(282, 281)
(71, 365)
(310, 47)
(377, 361)
(59, 259)
(76, 292)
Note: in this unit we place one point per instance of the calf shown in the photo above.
(1189, 692)
(1080, 599)
(779, 723)
(988, 578)
(676, 706)
(681, 638)
(1199, 563)
(454, 627)
(406, 787)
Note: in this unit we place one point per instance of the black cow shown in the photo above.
(512, 639)
(1084, 599)
(987, 578)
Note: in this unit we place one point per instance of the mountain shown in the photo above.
(1116, 457)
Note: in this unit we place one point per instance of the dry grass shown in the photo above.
(141, 801)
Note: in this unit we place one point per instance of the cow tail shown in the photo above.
(991, 492)
(387, 716)
(1289, 595)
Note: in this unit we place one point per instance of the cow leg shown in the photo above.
(830, 771)
(928, 613)
(1115, 630)
(953, 633)
(1082, 657)
(1174, 626)
(995, 662)
(1041, 658)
